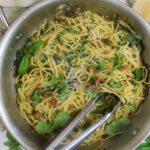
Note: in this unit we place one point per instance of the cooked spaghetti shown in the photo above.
(67, 62)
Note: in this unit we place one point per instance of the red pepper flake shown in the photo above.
(72, 14)
(70, 107)
(123, 67)
(59, 20)
(106, 52)
(53, 101)
(15, 73)
(37, 115)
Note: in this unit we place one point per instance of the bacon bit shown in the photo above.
(95, 89)
(105, 127)
(29, 70)
(100, 80)
(53, 101)
(59, 20)
(106, 52)
(70, 107)
(107, 42)
(15, 73)
(32, 131)
(131, 113)
(123, 67)
(47, 93)
(92, 70)
(96, 78)
(38, 88)
(130, 77)
(37, 115)
(72, 14)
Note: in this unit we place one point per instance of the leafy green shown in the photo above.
(24, 65)
(115, 18)
(19, 85)
(43, 127)
(115, 84)
(134, 39)
(43, 90)
(138, 76)
(91, 93)
(130, 107)
(35, 46)
(145, 145)
(64, 95)
(36, 98)
(71, 30)
(118, 126)
(61, 119)
(81, 49)
(12, 143)
(60, 35)
(57, 83)
(100, 109)
(119, 62)
(99, 67)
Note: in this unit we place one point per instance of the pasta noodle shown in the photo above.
(83, 54)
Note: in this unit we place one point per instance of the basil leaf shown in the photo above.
(43, 127)
(116, 84)
(138, 74)
(24, 65)
(64, 96)
(115, 18)
(71, 30)
(12, 143)
(36, 98)
(91, 93)
(118, 126)
(35, 46)
(61, 119)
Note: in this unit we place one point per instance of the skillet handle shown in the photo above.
(4, 21)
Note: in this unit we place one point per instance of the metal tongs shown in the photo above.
(76, 141)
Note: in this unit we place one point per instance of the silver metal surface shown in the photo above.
(3, 18)
(75, 142)
(73, 123)
(34, 16)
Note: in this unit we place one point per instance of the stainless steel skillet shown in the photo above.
(34, 16)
